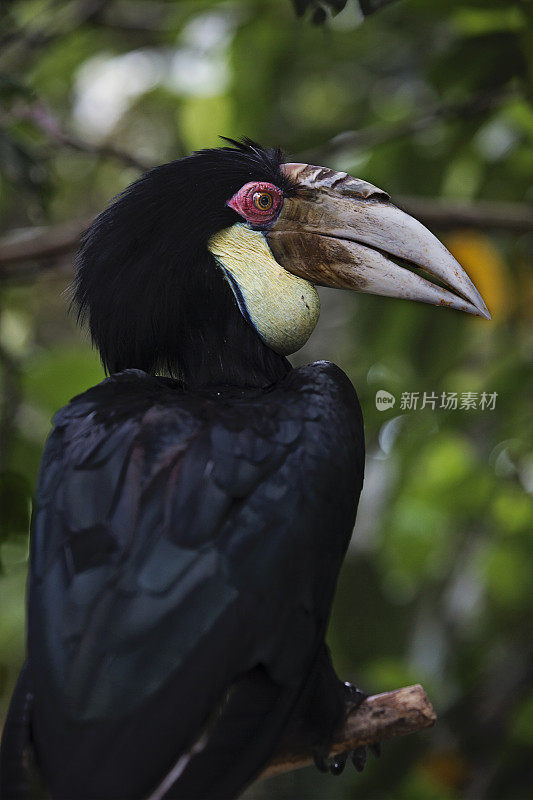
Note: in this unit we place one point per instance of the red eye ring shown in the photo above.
(258, 202)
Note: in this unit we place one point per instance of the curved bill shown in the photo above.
(341, 231)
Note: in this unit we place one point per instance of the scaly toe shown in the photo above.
(321, 762)
(355, 695)
(359, 758)
(375, 748)
(337, 766)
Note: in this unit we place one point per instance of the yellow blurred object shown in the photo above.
(485, 265)
(446, 767)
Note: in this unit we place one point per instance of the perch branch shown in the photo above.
(380, 717)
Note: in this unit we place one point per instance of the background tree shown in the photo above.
(431, 101)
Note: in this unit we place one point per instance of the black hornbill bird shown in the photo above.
(194, 508)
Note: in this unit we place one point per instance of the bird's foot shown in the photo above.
(354, 695)
(336, 764)
(359, 755)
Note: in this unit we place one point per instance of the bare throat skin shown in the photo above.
(282, 307)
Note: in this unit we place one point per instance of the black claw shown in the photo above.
(337, 766)
(359, 758)
(355, 695)
(321, 763)
(376, 749)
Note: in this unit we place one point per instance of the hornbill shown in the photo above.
(193, 509)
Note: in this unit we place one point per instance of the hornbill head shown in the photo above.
(219, 253)
(329, 229)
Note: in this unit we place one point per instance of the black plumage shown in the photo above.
(188, 530)
(181, 541)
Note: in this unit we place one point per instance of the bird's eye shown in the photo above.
(263, 201)
(258, 202)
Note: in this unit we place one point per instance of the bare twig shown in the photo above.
(380, 717)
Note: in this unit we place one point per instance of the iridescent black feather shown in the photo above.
(182, 541)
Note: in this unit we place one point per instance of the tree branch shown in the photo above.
(378, 718)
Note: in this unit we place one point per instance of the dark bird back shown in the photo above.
(185, 545)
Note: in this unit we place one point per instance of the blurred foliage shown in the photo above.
(320, 9)
(437, 584)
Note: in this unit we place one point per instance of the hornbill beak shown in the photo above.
(343, 232)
